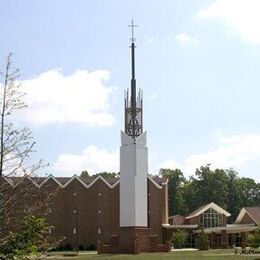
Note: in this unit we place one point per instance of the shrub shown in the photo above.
(81, 248)
(27, 240)
(202, 241)
(67, 247)
(253, 240)
(178, 238)
(91, 247)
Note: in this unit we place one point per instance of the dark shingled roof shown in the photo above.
(176, 220)
(18, 179)
(254, 213)
(62, 180)
(197, 210)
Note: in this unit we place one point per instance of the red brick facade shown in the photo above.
(86, 211)
(134, 240)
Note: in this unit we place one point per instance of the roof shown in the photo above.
(253, 212)
(176, 220)
(86, 181)
(204, 208)
(194, 226)
(233, 228)
(159, 180)
(194, 213)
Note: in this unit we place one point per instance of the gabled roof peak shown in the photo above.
(204, 208)
(253, 212)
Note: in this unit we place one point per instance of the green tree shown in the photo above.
(254, 239)
(106, 174)
(176, 181)
(210, 186)
(84, 174)
(178, 238)
(190, 191)
(202, 241)
(234, 202)
(32, 237)
(16, 147)
(250, 192)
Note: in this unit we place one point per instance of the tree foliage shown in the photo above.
(176, 181)
(106, 174)
(32, 237)
(85, 174)
(224, 187)
(16, 144)
(254, 239)
(178, 238)
(202, 241)
(16, 147)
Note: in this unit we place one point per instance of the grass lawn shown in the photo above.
(180, 255)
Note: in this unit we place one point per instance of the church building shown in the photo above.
(117, 215)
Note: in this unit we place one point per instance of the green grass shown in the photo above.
(217, 254)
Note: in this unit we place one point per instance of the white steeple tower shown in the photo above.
(133, 157)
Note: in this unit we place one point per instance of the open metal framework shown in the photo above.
(133, 102)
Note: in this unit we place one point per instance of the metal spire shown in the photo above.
(133, 81)
(133, 111)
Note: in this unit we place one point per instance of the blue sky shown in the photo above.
(197, 62)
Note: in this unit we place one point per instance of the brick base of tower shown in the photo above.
(133, 240)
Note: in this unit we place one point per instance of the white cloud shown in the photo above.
(80, 97)
(91, 159)
(241, 16)
(234, 151)
(152, 39)
(154, 95)
(169, 164)
(185, 40)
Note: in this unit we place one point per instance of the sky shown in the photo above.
(196, 61)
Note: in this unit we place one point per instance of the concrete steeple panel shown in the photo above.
(133, 181)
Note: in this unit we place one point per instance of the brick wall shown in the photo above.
(96, 209)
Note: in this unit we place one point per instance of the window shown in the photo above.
(74, 231)
(99, 194)
(75, 194)
(211, 218)
(99, 231)
(99, 211)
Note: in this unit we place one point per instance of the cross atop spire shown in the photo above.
(132, 25)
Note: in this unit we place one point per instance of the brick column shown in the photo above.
(243, 239)
(136, 246)
(99, 247)
(154, 241)
(233, 239)
(223, 239)
(212, 240)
